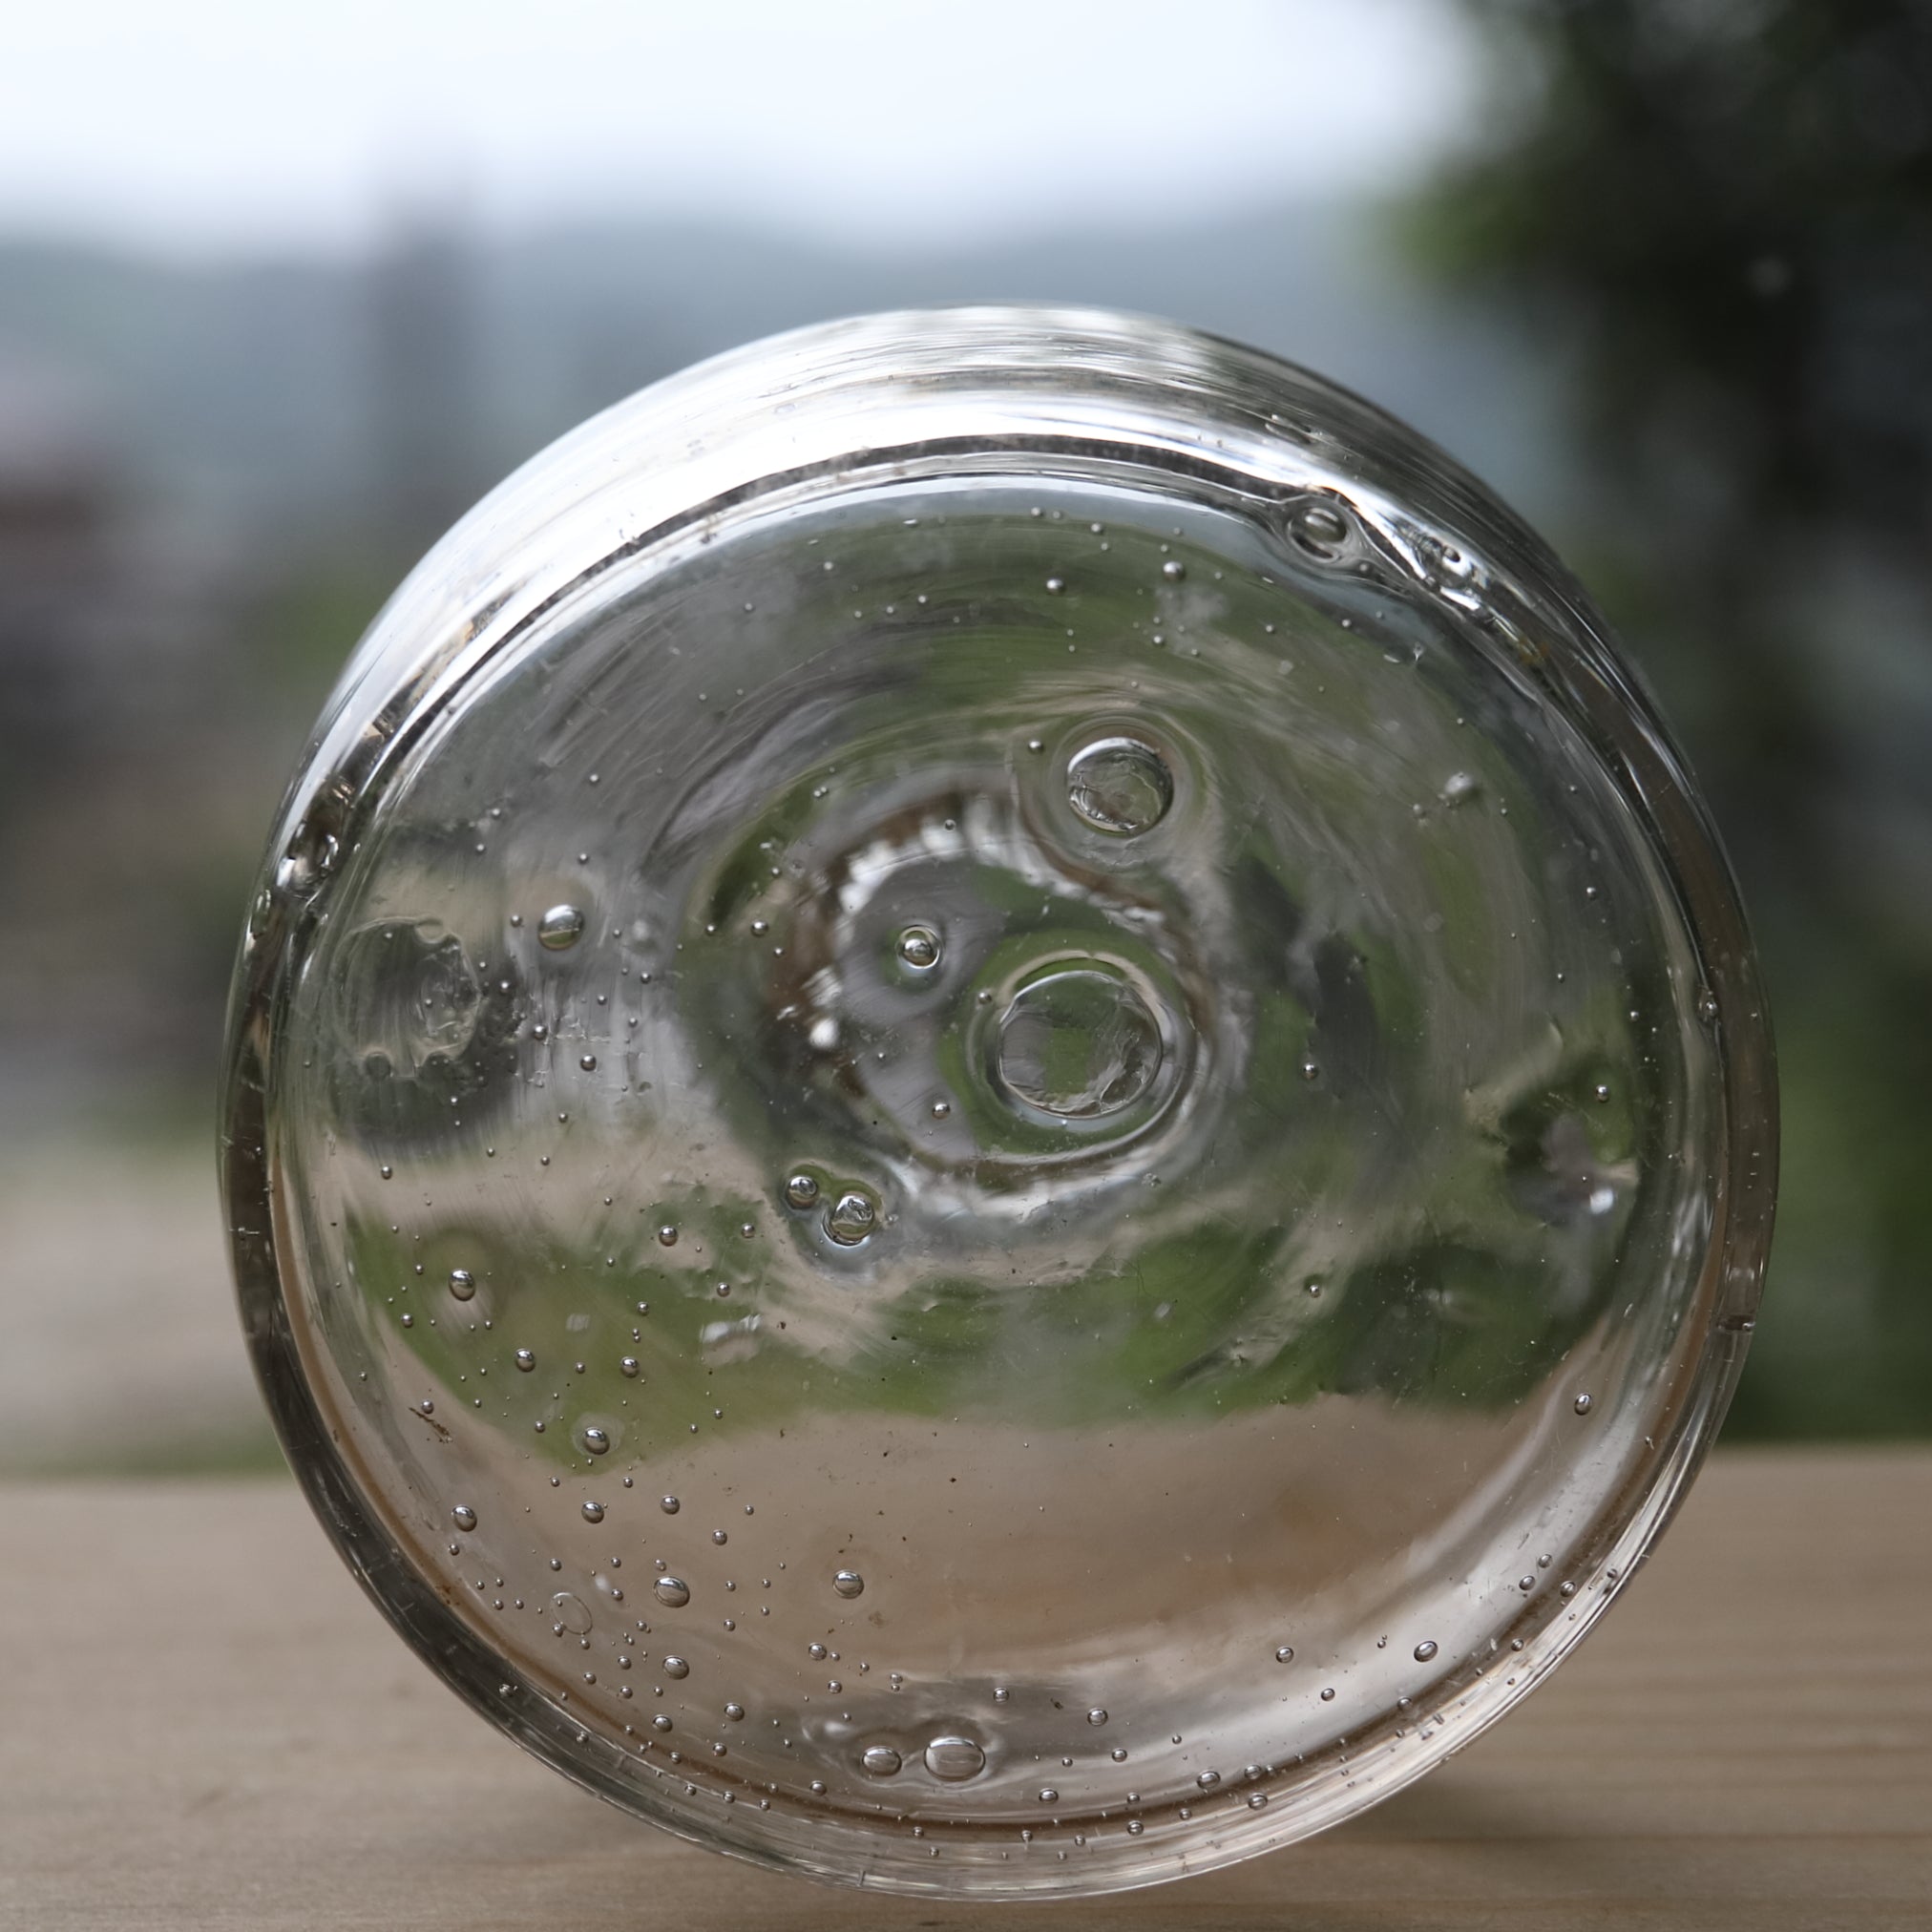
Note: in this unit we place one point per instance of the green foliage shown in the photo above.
(1724, 212)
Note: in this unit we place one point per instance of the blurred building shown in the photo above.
(113, 626)
(425, 386)
(103, 610)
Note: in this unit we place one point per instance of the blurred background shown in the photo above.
(283, 290)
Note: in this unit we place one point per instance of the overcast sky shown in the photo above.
(230, 124)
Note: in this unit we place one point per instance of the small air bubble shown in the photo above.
(849, 1219)
(918, 948)
(560, 927)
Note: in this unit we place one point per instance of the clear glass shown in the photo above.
(996, 1122)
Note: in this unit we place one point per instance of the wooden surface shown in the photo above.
(202, 1724)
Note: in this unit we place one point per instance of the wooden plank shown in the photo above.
(203, 1724)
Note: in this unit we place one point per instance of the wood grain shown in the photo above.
(203, 1725)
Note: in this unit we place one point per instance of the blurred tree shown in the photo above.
(1722, 212)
